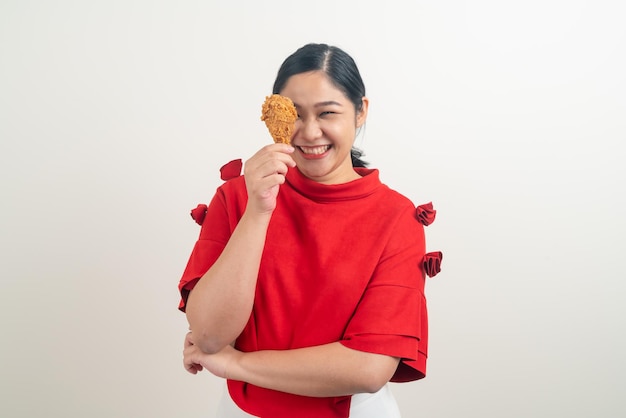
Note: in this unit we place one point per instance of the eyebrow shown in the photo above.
(322, 104)
(327, 103)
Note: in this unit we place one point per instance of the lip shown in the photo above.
(313, 156)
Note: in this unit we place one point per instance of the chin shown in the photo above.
(313, 174)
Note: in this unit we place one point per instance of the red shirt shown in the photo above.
(341, 263)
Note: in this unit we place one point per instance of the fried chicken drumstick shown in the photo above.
(279, 115)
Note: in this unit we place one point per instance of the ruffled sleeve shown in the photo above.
(214, 235)
(217, 224)
(391, 317)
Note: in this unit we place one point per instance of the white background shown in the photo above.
(115, 117)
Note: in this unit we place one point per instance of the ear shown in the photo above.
(361, 116)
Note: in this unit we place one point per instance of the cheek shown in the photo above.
(341, 131)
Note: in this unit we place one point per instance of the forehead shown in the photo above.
(312, 87)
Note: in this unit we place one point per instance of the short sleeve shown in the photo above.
(213, 237)
(391, 317)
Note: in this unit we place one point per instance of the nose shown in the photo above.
(308, 129)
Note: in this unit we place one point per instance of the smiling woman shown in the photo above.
(341, 72)
(304, 314)
(326, 127)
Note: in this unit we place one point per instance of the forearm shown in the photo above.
(220, 304)
(321, 371)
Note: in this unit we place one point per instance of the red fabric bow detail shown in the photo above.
(231, 170)
(199, 213)
(432, 263)
(425, 213)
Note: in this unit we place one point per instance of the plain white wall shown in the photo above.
(115, 117)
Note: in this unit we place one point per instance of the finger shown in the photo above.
(189, 364)
(188, 340)
(278, 147)
(271, 167)
(268, 166)
(279, 152)
(262, 183)
(193, 368)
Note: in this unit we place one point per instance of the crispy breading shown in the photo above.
(279, 115)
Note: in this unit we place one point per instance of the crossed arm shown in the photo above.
(321, 371)
(220, 304)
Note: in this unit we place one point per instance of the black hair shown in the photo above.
(340, 69)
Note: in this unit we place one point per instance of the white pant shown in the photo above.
(381, 404)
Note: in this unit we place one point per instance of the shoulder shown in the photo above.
(231, 174)
(233, 185)
(400, 211)
(396, 202)
(371, 177)
(233, 194)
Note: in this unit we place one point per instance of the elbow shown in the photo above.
(377, 376)
(204, 338)
(208, 342)
(373, 384)
(209, 345)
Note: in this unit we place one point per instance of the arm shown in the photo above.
(327, 370)
(320, 371)
(220, 304)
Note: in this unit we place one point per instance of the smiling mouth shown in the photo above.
(319, 150)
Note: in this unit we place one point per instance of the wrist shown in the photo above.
(232, 369)
(256, 218)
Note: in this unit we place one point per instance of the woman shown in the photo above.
(305, 289)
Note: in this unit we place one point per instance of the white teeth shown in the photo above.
(315, 150)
